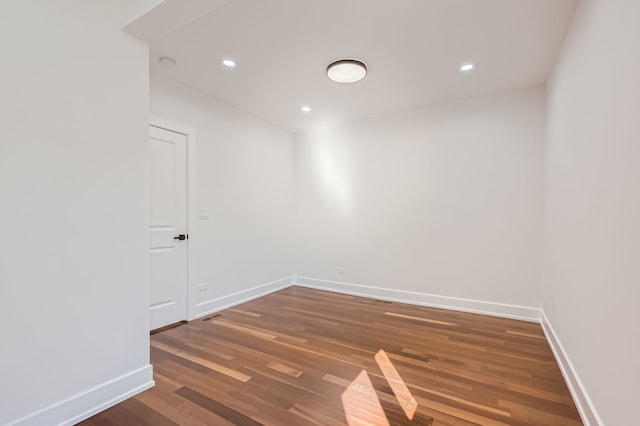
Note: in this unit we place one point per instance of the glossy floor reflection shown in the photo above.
(308, 357)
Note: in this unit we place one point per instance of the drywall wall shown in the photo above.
(244, 174)
(134, 9)
(74, 268)
(444, 200)
(151, 20)
(592, 204)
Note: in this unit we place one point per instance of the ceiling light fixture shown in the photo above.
(347, 71)
(305, 108)
(229, 63)
(467, 67)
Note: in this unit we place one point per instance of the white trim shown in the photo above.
(579, 394)
(523, 313)
(585, 407)
(91, 401)
(228, 301)
(170, 125)
(192, 205)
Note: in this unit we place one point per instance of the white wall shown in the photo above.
(244, 177)
(73, 186)
(134, 9)
(592, 225)
(444, 200)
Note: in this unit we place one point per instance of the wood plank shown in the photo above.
(204, 362)
(414, 318)
(288, 358)
(284, 369)
(215, 407)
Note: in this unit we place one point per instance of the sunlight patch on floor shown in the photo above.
(361, 404)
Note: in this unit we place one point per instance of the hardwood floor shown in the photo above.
(302, 356)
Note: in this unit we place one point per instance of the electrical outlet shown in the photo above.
(202, 287)
(341, 270)
(204, 214)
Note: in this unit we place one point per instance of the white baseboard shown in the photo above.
(91, 401)
(583, 402)
(585, 407)
(228, 301)
(99, 398)
(424, 299)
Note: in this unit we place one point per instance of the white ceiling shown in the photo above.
(413, 49)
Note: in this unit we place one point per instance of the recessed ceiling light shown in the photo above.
(229, 63)
(347, 71)
(467, 67)
(305, 108)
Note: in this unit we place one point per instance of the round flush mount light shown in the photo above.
(305, 108)
(347, 71)
(229, 63)
(467, 67)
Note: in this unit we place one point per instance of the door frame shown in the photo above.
(192, 206)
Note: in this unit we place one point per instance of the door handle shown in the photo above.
(181, 237)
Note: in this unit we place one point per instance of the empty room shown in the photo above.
(337, 212)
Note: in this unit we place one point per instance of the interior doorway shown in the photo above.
(168, 226)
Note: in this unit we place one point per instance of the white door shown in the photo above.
(168, 226)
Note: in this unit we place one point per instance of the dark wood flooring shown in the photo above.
(308, 357)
